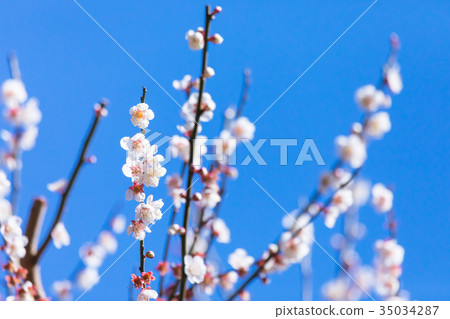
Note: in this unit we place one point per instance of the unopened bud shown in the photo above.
(197, 197)
(196, 83)
(91, 159)
(357, 128)
(182, 231)
(216, 38)
(150, 254)
(217, 10)
(173, 229)
(209, 72)
(273, 249)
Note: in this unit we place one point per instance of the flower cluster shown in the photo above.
(388, 268)
(14, 248)
(24, 115)
(143, 167)
(92, 256)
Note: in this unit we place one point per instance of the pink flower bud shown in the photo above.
(91, 159)
(217, 10)
(216, 38)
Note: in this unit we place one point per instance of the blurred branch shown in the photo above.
(32, 232)
(244, 94)
(79, 163)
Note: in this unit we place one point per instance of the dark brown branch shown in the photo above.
(141, 243)
(79, 163)
(32, 232)
(191, 155)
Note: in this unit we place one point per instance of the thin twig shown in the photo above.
(294, 234)
(141, 243)
(191, 155)
(79, 163)
(168, 237)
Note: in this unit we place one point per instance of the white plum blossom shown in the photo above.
(378, 124)
(225, 146)
(134, 169)
(387, 285)
(184, 84)
(87, 277)
(92, 255)
(137, 146)
(150, 211)
(146, 294)
(351, 149)
(388, 267)
(342, 199)
(196, 39)
(336, 289)
(138, 229)
(118, 224)
(209, 72)
(108, 241)
(5, 210)
(13, 92)
(15, 247)
(242, 128)
(135, 191)
(361, 192)
(210, 281)
(393, 78)
(11, 228)
(5, 184)
(63, 289)
(228, 280)
(195, 269)
(25, 293)
(154, 174)
(189, 108)
(179, 147)
(26, 116)
(28, 138)
(210, 196)
(216, 38)
(288, 221)
(60, 236)
(331, 215)
(220, 231)
(200, 245)
(141, 115)
(58, 186)
(15, 242)
(177, 195)
(370, 99)
(390, 253)
(382, 198)
(294, 249)
(240, 261)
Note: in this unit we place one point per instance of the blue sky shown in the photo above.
(68, 62)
